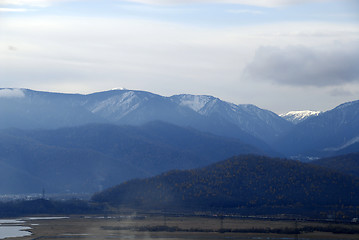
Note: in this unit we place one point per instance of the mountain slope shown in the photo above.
(260, 123)
(90, 157)
(244, 181)
(333, 132)
(348, 164)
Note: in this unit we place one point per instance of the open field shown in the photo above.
(172, 227)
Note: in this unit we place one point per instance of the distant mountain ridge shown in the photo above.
(96, 156)
(34, 109)
(313, 135)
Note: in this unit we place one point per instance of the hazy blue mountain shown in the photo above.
(90, 157)
(239, 182)
(330, 133)
(52, 110)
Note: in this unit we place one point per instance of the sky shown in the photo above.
(280, 55)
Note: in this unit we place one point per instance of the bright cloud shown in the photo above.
(14, 10)
(32, 3)
(245, 11)
(262, 3)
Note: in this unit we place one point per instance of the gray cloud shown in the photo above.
(340, 92)
(12, 48)
(299, 65)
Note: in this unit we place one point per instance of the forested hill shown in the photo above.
(348, 164)
(243, 181)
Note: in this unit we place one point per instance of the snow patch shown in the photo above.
(118, 106)
(345, 145)
(195, 102)
(121, 88)
(299, 116)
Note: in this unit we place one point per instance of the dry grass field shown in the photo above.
(149, 227)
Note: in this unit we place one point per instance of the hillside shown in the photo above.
(92, 157)
(348, 164)
(244, 181)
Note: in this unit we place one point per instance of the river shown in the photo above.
(13, 228)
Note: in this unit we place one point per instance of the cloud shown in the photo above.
(339, 92)
(300, 65)
(14, 10)
(12, 48)
(32, 3)
(11, 93)
(88, 54)
(261, 3)
(245, 11)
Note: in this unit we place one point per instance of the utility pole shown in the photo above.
(296, 229)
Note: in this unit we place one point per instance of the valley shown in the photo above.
(102, 153)
(179, 119)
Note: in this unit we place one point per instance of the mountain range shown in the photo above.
(73, 142)
(92, 157)
(296, 134)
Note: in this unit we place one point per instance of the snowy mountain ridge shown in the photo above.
(258, 122)
(133, 107)
(317, 132)
(299, 116)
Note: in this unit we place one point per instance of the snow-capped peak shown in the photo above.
(299, 116)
